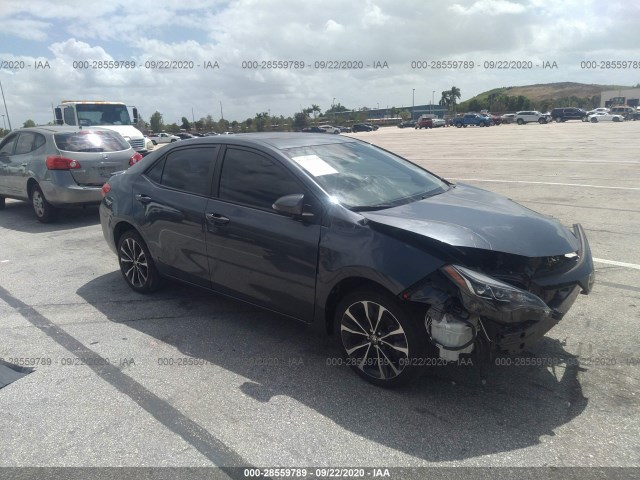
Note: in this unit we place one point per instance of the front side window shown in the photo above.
(363, 177)
(188, 169)
(69, 116)
(251, 179)
(7, 145)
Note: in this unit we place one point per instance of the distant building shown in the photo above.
(629, 97)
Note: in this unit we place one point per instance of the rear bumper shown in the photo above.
(62, 190)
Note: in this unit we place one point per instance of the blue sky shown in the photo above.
(230, 32)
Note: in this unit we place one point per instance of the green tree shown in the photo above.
(156, 123)
(185, 124)
(300, 120)
(29, 123)
(173, 128)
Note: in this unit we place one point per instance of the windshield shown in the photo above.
(90, 141)
(361, 176)
(102, 114)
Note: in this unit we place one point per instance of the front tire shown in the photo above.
(45, 212)
(379, 338)
(136, 264)
(594, 120)
(542, 121)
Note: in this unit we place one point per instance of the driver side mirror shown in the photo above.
(292, 205)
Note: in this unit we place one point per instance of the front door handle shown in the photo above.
(216, 219)
(143, 198)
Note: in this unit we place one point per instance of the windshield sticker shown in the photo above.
(314, 165)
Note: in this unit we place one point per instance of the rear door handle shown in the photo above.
(143, 198)
(216, 219)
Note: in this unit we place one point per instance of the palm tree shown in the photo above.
(445, 101)
(454, 94)
(315, 109)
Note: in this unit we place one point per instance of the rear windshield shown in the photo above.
(90, 141)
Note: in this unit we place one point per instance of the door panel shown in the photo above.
(169, 204)
(262, 257)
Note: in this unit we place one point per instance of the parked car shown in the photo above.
(597, 110)
(528, 116)
(373, 126)
(424, 122)
(330, 129)
(163, 138)
(471, 119)
(508, 118)
(571, 113)
(184, 136)
(407, 124)
(438, 122)
(605, 117)
(635, 116)
(625, 111)
(314, 129)
(396, 263)
(54, 167)
(345, 129)
(362, 127)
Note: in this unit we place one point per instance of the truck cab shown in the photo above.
(111, 115)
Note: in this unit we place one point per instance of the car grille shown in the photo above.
(137, 144)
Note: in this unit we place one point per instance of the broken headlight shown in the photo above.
(482, 293)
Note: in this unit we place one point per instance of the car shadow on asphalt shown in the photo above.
(19, 216)
(446, 415)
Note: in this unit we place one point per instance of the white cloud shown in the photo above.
(489, 7)
(230, 33)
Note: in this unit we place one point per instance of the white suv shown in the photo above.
(530, 116)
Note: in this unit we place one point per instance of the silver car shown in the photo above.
(53, 167)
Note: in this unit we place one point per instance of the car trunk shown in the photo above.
(96, 168)
(100, 153)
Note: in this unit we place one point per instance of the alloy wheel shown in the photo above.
(374, 340)
(134, 263)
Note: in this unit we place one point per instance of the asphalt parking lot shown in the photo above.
(188, 378)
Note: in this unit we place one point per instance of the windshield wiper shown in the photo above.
(369, 208)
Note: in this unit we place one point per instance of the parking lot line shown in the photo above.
(544, 183)
(619, 264)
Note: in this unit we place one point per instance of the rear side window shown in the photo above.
(25, 143)
(91, 141)
(187, 169)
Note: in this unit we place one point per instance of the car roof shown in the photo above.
(277, 140)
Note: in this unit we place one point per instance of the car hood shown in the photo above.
(467, 216)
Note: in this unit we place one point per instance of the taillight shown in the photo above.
(58, 162)
(106, 188)
(135, 158)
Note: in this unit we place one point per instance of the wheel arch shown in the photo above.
(339, 290)
(120, 230)
(30, 183)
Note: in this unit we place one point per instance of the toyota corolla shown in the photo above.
(397, 263)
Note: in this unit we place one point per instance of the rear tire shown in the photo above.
(45, 212)
(520, 121)
(542, 121)
(594, 120)
(379, 337)
(458, 125)
(136, 264)
(2, 203)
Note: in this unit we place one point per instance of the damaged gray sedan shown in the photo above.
(399, 265)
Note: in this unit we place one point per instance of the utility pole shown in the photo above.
(5, 107)
(413, 102)
(221, 116)
(433, 97)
